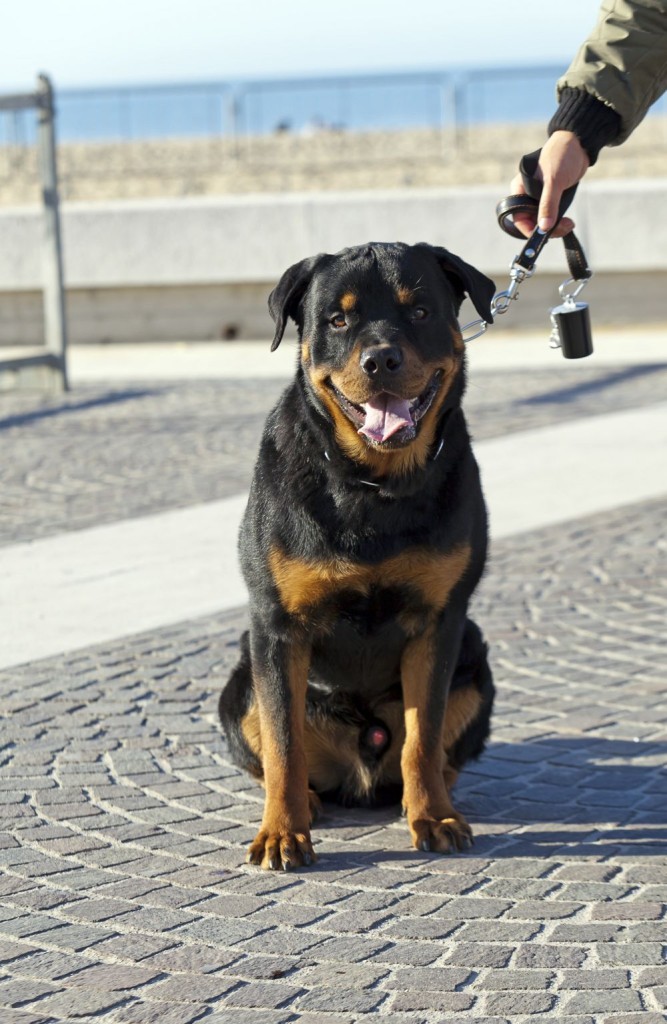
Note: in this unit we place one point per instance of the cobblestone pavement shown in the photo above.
(124, 897)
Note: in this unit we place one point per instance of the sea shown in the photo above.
(440, 98)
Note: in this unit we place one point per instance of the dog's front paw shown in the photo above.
(441, 835)
(278, 850)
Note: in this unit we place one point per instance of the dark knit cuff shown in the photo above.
(592, 121)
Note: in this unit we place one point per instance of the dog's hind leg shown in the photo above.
(238, 714)
(470, 703)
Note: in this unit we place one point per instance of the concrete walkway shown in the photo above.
(110, 581)
(239, 360)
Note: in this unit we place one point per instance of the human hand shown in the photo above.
(563, 162)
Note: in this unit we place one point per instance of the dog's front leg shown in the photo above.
(426, 671)
(280, 675)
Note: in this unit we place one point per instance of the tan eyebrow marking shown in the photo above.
(404, 294)
(348, 301)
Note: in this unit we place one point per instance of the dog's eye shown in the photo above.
(338, 320)
(419, 313)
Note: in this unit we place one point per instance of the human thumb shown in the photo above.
(547, 214)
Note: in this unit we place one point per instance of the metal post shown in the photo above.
(233, 119)
(52, 263)
(459, 114)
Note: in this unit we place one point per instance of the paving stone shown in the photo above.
(265, 968)
(628, 911)
(504, 932)
(645, 1017)
(601, 1001)
(15, 993)
(263, 995)
(472, 907)
(654, 931)
(531, 910)
(328, 1018)
(414, 954)
(295, 943)
(597, 979)
(44, 898)
(659, 995)
(75, 937)
(232, 905)
(25, 925)
(205, 989)
(76, 1004)
(354, 1000)
(478, 955)
(298, 916)
(192, 958)
(96, 910)
(586, 933)
(449, 1002)
(443, 979)
(652, 976)
(111, 977)
(214, 930)
(358, 975)
(146, 1012)
(140, 947)
(514, 1004)
(419, 928)
(515, 980)
(629, 953)
(549, 956)
(19, 1015)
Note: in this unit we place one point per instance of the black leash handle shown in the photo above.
(529, 203)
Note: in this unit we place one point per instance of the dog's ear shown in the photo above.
(285, 298)
(466, 279)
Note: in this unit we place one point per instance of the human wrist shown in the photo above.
(592, 121)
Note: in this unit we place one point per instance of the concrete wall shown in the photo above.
(202, 268)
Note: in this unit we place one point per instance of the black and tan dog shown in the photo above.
(362, 678)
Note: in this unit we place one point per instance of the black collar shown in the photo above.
(372, 483)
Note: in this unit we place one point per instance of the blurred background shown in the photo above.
(248, 135)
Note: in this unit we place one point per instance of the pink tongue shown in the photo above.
(385, 415)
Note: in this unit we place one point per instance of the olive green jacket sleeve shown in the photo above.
(623, 63)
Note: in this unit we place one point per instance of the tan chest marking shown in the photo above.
(303, 585)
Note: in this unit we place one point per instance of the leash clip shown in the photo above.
(501, 301)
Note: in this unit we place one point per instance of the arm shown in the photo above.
(622, 65)
(617, 74)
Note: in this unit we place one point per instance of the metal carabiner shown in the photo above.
(481, 326)
(500, 302)
(571, 296)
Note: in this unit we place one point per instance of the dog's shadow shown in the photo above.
(563, 796)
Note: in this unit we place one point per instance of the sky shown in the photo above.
(127, 42)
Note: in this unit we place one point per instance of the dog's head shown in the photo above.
(380, 342)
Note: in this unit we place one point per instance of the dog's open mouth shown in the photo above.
(389, 418)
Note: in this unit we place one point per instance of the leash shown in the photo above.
(570, 320)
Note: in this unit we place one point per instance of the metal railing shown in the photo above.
(438, 99)
(217, 137)
(45, 367)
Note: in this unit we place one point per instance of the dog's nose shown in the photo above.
(377, 360)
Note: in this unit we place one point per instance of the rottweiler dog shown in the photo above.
(361, 678)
